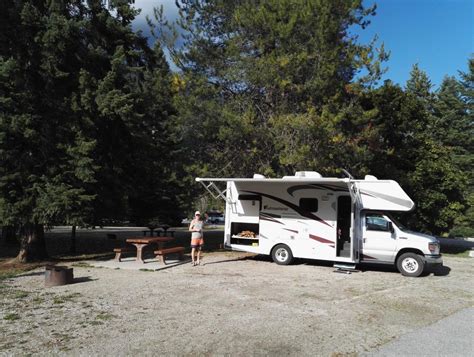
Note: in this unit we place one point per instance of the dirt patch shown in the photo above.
(233, 305)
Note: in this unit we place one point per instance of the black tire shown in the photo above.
(282, 255)
(410, 264)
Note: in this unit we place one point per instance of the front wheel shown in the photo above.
(410, 264)
(282, 255)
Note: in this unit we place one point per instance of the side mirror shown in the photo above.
(390, 227)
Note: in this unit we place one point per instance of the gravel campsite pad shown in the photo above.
(235, 304)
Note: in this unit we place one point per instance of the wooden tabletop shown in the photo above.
(148, 240)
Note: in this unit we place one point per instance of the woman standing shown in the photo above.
(197, 240)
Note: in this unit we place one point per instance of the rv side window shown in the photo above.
(376, 222)
(309, 204)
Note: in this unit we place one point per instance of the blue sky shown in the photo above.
(436, 34)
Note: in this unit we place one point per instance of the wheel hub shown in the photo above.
(410, 265)
(281, 254)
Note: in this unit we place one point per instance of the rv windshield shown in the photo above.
(397, 223)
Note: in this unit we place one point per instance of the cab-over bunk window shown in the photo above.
(309, 204)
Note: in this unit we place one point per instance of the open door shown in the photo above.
(343, 246)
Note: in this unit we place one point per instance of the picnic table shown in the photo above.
(142, 242)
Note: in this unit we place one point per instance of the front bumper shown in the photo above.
(434, 260)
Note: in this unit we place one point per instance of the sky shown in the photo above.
(438, 35)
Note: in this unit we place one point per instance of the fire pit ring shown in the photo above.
(56, 275)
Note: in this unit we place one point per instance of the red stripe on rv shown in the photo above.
(321, 240)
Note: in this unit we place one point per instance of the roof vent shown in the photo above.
(258, 176)
(312, 174)
(370, 178)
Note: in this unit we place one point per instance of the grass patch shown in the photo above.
(144, 269)
(20, 294)
(96, 323)
(11, 317)
(59, 300)
(38, 300)
(65, 298)
(10, 273)
(104, 316)
(82, 265)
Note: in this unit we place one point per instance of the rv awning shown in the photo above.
(373, 194)
(383, 195)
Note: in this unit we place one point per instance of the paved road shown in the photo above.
(451, 336)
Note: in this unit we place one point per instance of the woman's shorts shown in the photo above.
(196, 240)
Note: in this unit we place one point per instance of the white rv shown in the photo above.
(308, 216)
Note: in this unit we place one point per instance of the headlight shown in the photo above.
(433, 247)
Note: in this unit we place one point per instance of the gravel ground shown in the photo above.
(235, 304)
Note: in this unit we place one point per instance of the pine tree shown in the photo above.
(45, 158)
(403, 148)
(83, 117)
(251, 68)
(454, 128)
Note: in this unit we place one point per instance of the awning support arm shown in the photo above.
(215, 191)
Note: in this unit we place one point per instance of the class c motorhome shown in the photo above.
(344, 220)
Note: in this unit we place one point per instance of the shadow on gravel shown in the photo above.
(436, 271)
(83, 279)
(231, 260)
(34, 273)
(80, 258)
(441, 271)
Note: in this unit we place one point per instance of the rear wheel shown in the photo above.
(410, 264)
(282, 255)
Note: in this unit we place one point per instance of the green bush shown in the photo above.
(464, 232)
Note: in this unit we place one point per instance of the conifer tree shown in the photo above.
(403, 148)
(251, 68)
(454, 129)
(45, 157)
(84, 108)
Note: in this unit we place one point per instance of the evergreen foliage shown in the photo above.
(279, 86)
(85, 103)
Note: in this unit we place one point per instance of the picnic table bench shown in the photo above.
(119, 252)
(162, 253)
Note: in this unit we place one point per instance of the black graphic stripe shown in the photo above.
(333, 188)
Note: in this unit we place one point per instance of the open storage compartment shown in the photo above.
(244, 233)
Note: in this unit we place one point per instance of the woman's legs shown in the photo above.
(192, 254)
(198, 254)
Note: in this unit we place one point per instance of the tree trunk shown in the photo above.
(32, 243)
(73, 240)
